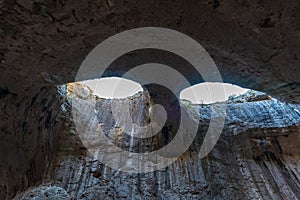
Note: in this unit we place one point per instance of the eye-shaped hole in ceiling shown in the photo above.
(113, 87)
(211, 92)
(203, 93)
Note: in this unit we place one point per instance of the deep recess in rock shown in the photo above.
(257, 154)
(255, 44)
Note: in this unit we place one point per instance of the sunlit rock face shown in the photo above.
(255, 44)
(257, 156)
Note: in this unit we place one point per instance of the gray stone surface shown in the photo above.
(257, 157)
(255, 44)
(46, 193)
(29, 138)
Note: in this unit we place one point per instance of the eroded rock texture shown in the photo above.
(28, 140)
(257, 156)
(255, 44)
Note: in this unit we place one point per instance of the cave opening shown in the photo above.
(45, 137)
(109, 87)
(120, 88)
(202, 93)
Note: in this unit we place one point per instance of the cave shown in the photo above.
(61, 140)
(201, 93)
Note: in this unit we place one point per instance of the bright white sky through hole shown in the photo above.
(114, 87)
(208, 92)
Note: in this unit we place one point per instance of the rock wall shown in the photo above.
(28, 138)
(257, 157)
(255, 44)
